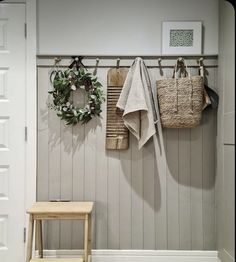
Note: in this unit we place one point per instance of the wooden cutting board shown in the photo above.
(117, 135)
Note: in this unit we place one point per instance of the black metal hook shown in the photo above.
(77, 62)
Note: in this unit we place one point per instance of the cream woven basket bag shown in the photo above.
(180, 99)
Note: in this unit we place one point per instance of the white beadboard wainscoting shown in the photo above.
(138, 255)
(137, 205)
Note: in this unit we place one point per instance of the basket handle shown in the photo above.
(181, 60)
(201, 71)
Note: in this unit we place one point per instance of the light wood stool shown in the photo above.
(58, 210)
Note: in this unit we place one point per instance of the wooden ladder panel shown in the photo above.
(117, 135)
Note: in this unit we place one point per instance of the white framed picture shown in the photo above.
(181, 37)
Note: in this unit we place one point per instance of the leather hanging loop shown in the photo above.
(200, 61)
(160, 67)
(201, 67)
(117, 63)
(96, 66)
(179, 64)
(55, 69)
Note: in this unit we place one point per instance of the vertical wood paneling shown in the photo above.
(42, 165)
(172, 184)
(196, 188)
(140, 203)
(208, 181)
(90, 169)
(113, 199)
(160, 195)
(160, 205)
(148, 196)
(42, 144)
(101, 175)
(196, 170)
(209, 149)
(78, 170)
(172, 174)
(90, 160)
(125, 199)
(184, 190)
(66, 182)
(137, 195)
(54, 173)
(229, 200)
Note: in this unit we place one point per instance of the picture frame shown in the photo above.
(181, 38)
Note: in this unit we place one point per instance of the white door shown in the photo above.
(12, 122)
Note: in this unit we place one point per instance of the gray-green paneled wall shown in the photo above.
(136, 206)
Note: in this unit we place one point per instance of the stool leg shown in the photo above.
(86, 239)
(30, 239)
(89, 235)
(39, 238)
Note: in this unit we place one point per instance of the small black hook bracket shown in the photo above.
(77, 62)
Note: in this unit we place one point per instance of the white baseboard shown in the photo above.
(139, 255)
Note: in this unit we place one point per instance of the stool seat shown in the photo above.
(61, 208)
(57, 260)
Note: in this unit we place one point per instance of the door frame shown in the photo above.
(31, 106)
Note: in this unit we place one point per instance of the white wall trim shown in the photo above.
(31, 103)
(31, 106)
(139, 255)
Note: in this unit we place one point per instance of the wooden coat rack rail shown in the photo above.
(112, 61)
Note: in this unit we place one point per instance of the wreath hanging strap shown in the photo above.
(67, 81)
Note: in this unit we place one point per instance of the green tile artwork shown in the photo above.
(181, 37)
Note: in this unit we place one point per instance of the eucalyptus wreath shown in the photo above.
(65, 82)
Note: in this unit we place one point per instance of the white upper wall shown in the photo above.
(122, 27)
